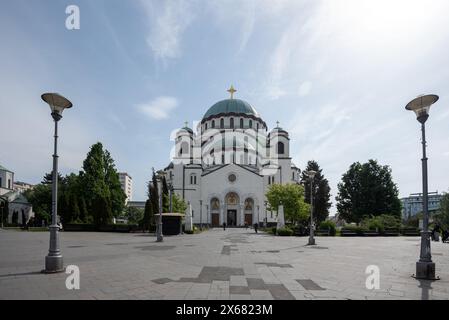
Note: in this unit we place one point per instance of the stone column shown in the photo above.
(189, 222)
(242, 214)
(280, 217)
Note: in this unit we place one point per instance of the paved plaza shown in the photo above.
(218, 264)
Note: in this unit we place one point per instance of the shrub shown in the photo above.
(285, 232)
(329, 225)
(381, 223)
(374, 224)
(83, 227)
(189, 232)
(273, 230)
(359, 230)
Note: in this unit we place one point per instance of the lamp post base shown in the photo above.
(53, 264)
(425, 271)
(311, 241)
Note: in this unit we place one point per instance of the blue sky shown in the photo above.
(336, 74)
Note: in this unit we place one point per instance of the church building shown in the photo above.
(224, 168)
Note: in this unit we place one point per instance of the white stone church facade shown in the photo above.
(225, 167)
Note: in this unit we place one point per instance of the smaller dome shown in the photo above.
(279, 129)
(186, 129)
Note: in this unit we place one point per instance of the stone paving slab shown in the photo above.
(218, 265)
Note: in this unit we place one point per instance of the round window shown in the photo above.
(232, 177)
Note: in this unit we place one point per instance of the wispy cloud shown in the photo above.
(159, 108)
(304, 88)
(167, 22)
(117, 121)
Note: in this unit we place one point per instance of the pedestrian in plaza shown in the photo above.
(436, 233)
(445, 236)
(256, 226)
(224, 225)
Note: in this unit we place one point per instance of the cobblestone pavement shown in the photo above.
(217, 264)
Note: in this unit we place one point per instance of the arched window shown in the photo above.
(213, 123)
(205, 126)
(250, 123)
(257, 126)
(222, 123)
(215, 204)
(212, 156)
(232, 123)
(193, 178)
(241, 123)
(280, 148)
(249, 204)
(184, 148)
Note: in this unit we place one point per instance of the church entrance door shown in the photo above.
(249, 219)
(215, 219)
(232, 218)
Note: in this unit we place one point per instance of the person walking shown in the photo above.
(256, 226)
(445, 236)
(224, 225)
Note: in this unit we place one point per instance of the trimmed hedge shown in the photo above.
(284, 232)
(328, 226)
(107, 228)
(361, 231)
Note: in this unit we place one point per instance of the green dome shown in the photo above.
(231, 106)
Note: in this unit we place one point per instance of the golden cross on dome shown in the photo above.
(232, 91)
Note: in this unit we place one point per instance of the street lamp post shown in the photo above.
(311, 174)
(258, 216)
(54, 260)
(201, 214)
(266, 214)
(159, 236)
(425, 268)
(207, 216)
(2, 206)
(170, 190)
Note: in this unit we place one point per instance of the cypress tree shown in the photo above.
(321, 192)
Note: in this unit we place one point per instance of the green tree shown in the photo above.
(154, 194)
(179, 205)
(101, 185)
(48, 178)
(84, 214)
(93, 175)
(101, 205)
(165, 196)
(442, 216)
(367, 190)
(134, 215)
(292, 198)
(69, 196)
(118, 196)
(4, 207)
(321, 192)
(148, 214)
(40, 199)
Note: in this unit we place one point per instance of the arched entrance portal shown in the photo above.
(249, 210)
(232, 206)
(215, 212)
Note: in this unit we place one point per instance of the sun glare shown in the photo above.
(387, 23)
